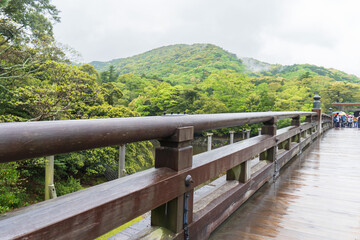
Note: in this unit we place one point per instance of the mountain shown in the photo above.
(191, 64)
(302, 70)
(181, 63)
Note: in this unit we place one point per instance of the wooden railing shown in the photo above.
(166, 190)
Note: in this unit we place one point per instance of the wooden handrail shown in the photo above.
(36, 139)
(94, 211)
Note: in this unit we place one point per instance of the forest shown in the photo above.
(39, 82)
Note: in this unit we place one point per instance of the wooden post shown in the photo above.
(175, 153)
(49, 178)
(121, 170)
(296, 123)
(209, 141)
(285, 144)
(241, 172)
(317, 108)
(308, 120)
(231, 136)
(331, 124)
(248, 133)
(269, 128)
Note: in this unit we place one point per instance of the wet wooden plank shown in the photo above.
(317, 196)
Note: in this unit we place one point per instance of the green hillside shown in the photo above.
(192, 64)
(204, 78)
(301, 70)
(176, 63)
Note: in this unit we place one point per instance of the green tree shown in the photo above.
(54, 90)
(230, 87)
(340, 92)
(164, 98)
(109, 76)
(12, 195)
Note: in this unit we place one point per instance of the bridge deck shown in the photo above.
(316, 197)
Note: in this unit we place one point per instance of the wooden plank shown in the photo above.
(314, 197)
(210, 217)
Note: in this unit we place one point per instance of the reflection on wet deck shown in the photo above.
(317, 196)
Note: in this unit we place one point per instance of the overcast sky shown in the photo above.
(321, 32)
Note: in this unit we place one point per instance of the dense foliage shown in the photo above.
(168, 79)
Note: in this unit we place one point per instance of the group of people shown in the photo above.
(345, 120)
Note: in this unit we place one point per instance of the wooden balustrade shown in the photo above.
(162, 190)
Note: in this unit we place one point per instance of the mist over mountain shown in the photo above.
(254, 65)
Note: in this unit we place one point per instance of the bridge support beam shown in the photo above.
(296, 123)
(241, 172)
(209, 141)
(317, 108)
(248, 133)
(175, 153)
(308, 119)
(270, 128)
(231, 136)
(285, 144)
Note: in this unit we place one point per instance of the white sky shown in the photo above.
(321, 32)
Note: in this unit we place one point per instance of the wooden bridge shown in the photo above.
(167, 190)
(315, 197)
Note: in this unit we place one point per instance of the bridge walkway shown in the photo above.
(317, 196)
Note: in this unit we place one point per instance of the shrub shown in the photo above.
(69, 186)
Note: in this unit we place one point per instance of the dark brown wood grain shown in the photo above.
(94, 211)
(36, 139)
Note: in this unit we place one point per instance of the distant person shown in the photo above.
(350, 121)
(343, 121)
(355, 120)
(336, 120)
